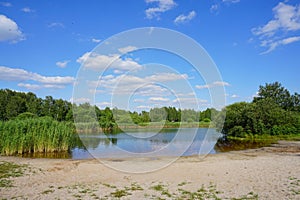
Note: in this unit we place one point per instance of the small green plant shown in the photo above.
(182, 183)
(120, 193)
(158, 187)
(161, 188)
(134, 187)
(108, 185)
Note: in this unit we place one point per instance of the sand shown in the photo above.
(265, 173)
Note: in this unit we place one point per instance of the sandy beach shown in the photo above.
(265, 173)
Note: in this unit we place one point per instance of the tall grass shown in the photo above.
(36, 135)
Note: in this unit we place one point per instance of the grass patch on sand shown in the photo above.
(9, 170)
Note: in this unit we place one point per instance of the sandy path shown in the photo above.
(266, 173)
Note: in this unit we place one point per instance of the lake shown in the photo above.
(148, 143)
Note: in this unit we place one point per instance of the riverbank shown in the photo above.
(265, 173)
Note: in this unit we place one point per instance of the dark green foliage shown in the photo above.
(36, 135)
(281, 96)
(272, 113)
(26, 115)
(13, 103)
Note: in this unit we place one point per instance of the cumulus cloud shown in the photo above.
(20, 75)
(161, 7)
(56, 24)
(286, 20)
(80, 100)
(234, 96)
(143, 107)
(9, 30)
(27, 10)
(214, 84)
(100, 62)
(230, 1)
(96, 40)
(189, 100)
(62, 64)
(138, 100)
(214, 8)
(127, 49)
(130, 84)
(104, 104)
(272, 45)
(185, 18)
(158, 99)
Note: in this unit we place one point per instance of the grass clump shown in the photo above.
(36, 135)
(9, 170)
(161, 188)
(120, 193)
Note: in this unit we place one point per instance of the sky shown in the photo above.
(46, 45)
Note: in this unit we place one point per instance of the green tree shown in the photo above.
(15, 106)
(277, 93)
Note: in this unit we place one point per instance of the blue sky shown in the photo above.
(252, 42)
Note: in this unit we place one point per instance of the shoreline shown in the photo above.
(264, 173)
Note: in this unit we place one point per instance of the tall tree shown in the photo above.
(277, 93)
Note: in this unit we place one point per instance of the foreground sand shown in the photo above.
(265, 173)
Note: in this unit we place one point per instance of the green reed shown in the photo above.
(36, 135)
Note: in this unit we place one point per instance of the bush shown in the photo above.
(237, 131)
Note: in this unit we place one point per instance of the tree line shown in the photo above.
(21, 105)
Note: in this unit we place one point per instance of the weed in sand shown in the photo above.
(8, 170)
(120, 193)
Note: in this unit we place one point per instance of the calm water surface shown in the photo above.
(168, 142)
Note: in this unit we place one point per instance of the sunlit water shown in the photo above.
(168, 142)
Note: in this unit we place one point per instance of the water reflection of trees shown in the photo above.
(224, 144)
(94, 142)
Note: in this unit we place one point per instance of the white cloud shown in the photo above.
(12, 74)
(62, 64)
(56, 24)
(5, 4)
(9, 30)
(190, 103)
(158, 99)
(185, 18)
(139, 100)
(96, 40)
(230, 1)
(164, 77)
(127, 49)
(152, 89)
(27, 10)
(214, 84)
(189, 100)
(100, 62)
(29, 86)
(214, 8)
(273, 34)
(36, 86)
(272, 45)
(286, 18)
(130, 84)
(234, 96)
(143, 107)
(104, 104)
(80, 100)
(162, 6)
